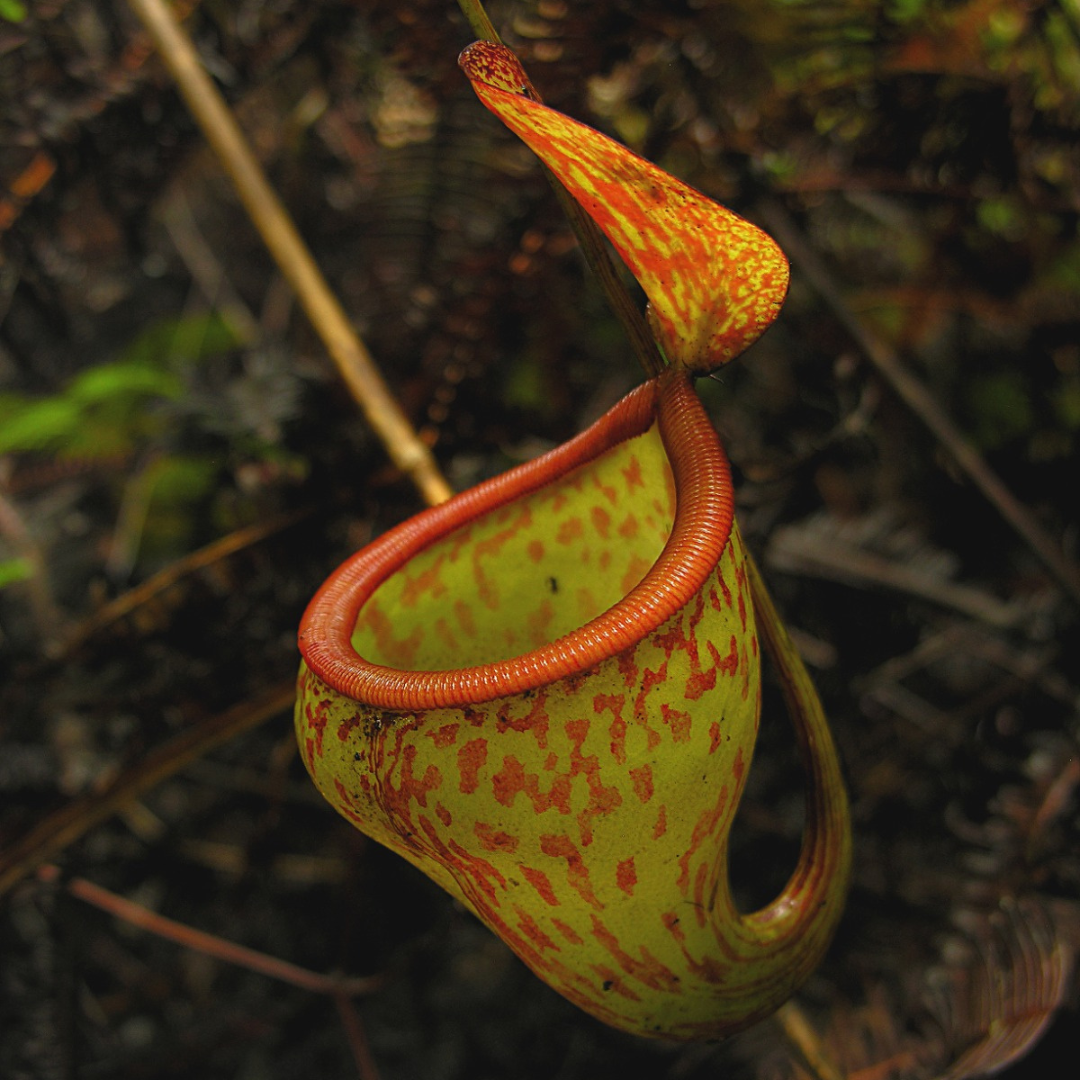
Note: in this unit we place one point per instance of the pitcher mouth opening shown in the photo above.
(699, 533)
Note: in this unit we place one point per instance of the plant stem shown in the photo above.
(594, 249)
(827, 841)
(482, 26)
(591, 239)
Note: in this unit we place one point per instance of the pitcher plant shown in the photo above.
(545, 692)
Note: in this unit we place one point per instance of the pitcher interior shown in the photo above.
(529, 572)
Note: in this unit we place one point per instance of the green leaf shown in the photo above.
(103, 410)
(906, 11)
(176, 490)
(1066, 402)
(1000, 407)
(182, 342)
(124, 379)
(1003, 217)
(183, 480)
(12, 11)
(14, 570)
(37, 425)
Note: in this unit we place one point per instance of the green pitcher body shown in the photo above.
(545, 695)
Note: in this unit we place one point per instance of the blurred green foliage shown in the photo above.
(109, 409)
(1000, 408)
(12, 11)
(176, 411)
(14, 570)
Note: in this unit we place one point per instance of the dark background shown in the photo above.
(160, 390)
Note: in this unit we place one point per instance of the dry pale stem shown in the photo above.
(353, 361)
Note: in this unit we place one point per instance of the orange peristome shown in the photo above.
(714, 281)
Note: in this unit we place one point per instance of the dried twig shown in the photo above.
(65, 826)
(357, 1037)
(134, 914)
(800, 1033)
(205, 268)
(817, 553)
(920, 400)
(353, 361)
(127, 602)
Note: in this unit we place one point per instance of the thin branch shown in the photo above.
(127, 602)
(920, 400)
(205, 267)
(805, 551)
(62, 828)
(357, 1037)
(801, 1034)
(353, 361)
(133, 914)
